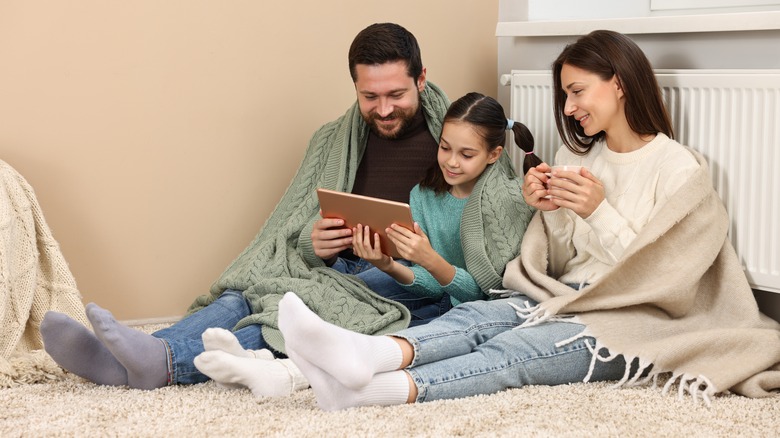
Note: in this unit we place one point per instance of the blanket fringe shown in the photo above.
(27, 368)
(531, 314)
(638, 380)
(535, 315)
(504, 293)
(699, 387)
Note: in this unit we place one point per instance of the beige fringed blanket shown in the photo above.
(34, 278)
(678, 300)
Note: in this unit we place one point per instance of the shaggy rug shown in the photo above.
(50, 402)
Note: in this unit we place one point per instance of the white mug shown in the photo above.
(564, 167)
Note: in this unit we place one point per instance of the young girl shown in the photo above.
(472, 137)
(473, 133)
(626, 272)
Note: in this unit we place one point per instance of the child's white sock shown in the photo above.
(264, 377)
(216, 338)
(384, 389)
(351, 358)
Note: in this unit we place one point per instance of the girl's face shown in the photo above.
(595, 103)
(463, 156)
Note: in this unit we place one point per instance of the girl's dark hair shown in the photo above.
(607, 53)
(380, 43)
(487, 118)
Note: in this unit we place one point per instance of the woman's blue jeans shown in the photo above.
(476, 349)
(183, 339)
(422, 309)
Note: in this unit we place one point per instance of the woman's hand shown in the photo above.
(579, 192)
(535, 188)
(412, 245)
(365, 249)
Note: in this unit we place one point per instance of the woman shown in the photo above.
(586, 301)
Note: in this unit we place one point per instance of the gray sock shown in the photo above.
(143, 356)
(79, 351)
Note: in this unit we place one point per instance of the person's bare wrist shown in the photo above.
(385, 267)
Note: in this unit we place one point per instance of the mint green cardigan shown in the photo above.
(281, 257)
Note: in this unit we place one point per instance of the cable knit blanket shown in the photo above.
(34, 276)
(281, 257)
(678, 301)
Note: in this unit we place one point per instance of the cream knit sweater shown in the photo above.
(637, 185)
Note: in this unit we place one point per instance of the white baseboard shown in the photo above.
(160, 320)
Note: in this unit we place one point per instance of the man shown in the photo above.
(390, 134)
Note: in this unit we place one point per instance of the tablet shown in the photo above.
(377, 213)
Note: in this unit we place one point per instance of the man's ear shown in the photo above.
(421, 81)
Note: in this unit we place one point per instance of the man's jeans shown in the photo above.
(183, 339)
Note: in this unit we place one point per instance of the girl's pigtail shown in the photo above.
(525, 141)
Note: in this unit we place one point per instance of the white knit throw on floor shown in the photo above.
(34, 276)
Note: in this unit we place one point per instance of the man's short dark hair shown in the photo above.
(385, 42)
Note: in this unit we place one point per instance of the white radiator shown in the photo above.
(732, 117)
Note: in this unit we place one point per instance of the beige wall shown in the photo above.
(158, 135)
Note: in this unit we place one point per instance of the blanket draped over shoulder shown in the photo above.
(281, 257)
(678, 300)
(34, 277)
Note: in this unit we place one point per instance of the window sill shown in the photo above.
(742, 21)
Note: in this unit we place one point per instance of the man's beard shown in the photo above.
(404, 117)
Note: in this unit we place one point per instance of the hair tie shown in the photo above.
(509, 124)
(530, 152)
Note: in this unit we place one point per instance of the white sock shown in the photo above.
(351, 358)
(219, 339)
(384, 389)
(216, 338)
(264, 377)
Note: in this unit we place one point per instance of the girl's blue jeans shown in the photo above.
(422, 309)
(476, 349)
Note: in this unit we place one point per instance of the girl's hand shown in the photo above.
(363, 248)
(535, 188)
(412, 245)
(579, 192)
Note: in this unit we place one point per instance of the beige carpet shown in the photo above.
(65, 405)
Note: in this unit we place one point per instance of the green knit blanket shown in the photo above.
(281, 257)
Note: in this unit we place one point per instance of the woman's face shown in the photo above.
(595, 103)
